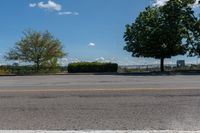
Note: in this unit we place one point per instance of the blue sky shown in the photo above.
(88, 29)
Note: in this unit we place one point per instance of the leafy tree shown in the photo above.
(194, 41)
(159, 32)
(39, 48)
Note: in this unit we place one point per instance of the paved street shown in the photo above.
(100, 102)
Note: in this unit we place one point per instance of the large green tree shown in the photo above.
(41, 48)
(161, 32)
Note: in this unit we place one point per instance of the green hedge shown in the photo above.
(87, 67)
(29, 70)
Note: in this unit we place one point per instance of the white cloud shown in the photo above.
(91, 44)
(74, 60)
(196, 4)
(68, 13)
(163, 2)
(32, 5)
(53, 6)
(106, 60)
(63, 61)
(50, 5)
(102, 59)
(159, 2)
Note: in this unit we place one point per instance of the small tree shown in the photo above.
(39, 48)
(159, 32)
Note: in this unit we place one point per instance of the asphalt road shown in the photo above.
(100, 102)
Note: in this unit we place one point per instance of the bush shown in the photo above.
(29, 70)
(4, 71)
(87, 67)
(19, 70)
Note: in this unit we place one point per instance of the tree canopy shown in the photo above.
(161, 32)
(37, 47)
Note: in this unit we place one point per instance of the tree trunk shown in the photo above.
(37, 67)
(162, 67)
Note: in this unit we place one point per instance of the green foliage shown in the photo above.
(21, 70)
(40, 48)
(87, 67)
(4, 71)
(194, 41)
(30, 70)
(159, 32)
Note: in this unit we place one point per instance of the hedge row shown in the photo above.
(87, 67)
(28, 70)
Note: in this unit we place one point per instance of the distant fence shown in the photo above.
(154, 68)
